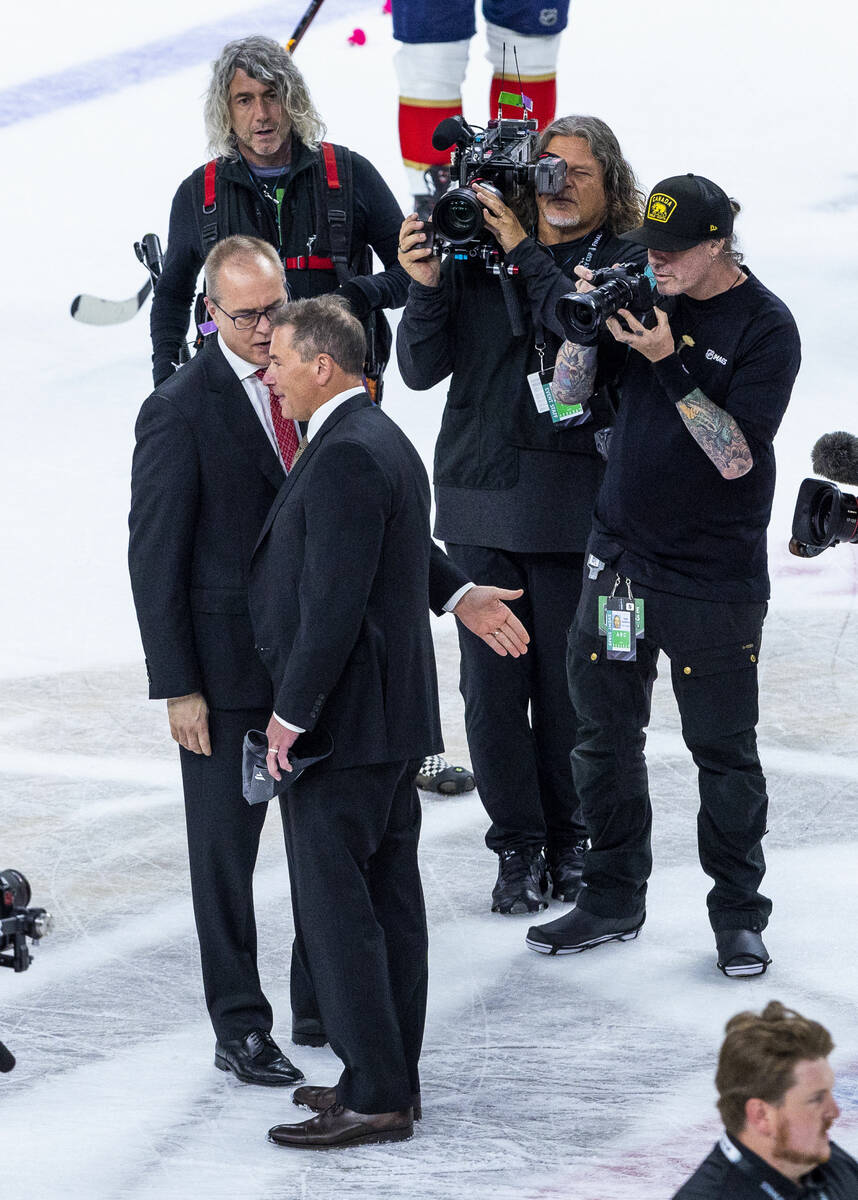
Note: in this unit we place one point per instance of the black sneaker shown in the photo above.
(522, 882)
(579, 930)
(565, 867)
(437, 775)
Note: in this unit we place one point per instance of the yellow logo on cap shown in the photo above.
(660, 207)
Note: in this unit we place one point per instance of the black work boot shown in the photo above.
(578, 930)
(522, 882)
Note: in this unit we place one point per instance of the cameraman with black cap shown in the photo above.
(514, 487)
(678, 552)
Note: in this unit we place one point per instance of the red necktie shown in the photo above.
(284, 429)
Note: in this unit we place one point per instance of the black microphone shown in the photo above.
(7, 1059)
(835, 456)
(452, 131)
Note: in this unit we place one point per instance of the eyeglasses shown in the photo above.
(249, 320)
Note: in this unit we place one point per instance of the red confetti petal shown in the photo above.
(358, 38)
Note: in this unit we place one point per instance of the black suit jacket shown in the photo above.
(204, 477)
(340, 591)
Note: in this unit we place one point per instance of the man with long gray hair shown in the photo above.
(515, 483)
(324, 208)
(272, 176)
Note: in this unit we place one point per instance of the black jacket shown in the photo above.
(505, 476)
(241, 208)
(732, 1172)
(203, 479)
(340, 589)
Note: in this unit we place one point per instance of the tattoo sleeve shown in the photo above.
(574, 373)
(716, 433)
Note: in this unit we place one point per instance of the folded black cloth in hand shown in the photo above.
(257, 785)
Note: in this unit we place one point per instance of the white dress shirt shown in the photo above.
(257, 394)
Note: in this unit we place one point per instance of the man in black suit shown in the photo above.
(208, 464)
(339, 596)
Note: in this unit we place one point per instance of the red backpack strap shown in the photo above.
(329, 155)
(209, 202)
(337, 207)
(207, 220)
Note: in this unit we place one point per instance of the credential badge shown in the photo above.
(661, 207)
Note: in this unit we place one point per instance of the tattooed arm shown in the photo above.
(716, 433)
(714, 430)
(574, 373)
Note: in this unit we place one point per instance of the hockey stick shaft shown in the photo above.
(304, 24)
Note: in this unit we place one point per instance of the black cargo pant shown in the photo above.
(518, 718)
(713, 649)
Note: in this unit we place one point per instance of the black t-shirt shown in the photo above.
(733, 1172)
(664, 515)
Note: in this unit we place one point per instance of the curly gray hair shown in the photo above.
(624, 196)
(266, 61)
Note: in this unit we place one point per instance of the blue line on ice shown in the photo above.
(163, 56)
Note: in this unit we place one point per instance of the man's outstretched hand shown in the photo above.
(483, 611)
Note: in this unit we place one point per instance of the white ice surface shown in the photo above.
(585, 1077)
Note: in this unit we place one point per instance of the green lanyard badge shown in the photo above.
(621, 622)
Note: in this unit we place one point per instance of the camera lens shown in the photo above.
(579, 317)
(458, 216)
(824, 516)
(14, 890)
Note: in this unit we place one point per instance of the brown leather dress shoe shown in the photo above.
(317, 1099)
(338, 1126)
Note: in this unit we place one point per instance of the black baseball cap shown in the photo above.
(682, 212)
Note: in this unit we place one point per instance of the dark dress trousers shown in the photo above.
(203, 479)
(339, 598)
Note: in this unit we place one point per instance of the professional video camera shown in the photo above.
(824, 516)
(18, 922)
(581, 314)
(497, 158)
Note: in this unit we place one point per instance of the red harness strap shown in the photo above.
(311, 262)
(330, 165)
(209, 187)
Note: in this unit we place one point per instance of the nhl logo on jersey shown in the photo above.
(660, 207)
(548, 16)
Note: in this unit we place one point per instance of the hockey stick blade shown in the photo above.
(93, 311)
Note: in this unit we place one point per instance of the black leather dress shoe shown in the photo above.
(741, 953)
(338, 1126)
(308, 1031)
(317, 1099)
(257, 1058)
(579, 930)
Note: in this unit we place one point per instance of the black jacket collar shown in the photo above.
(354, 402)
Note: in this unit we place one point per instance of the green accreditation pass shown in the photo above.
(620, 628)
(621, 621)
(545, 400)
